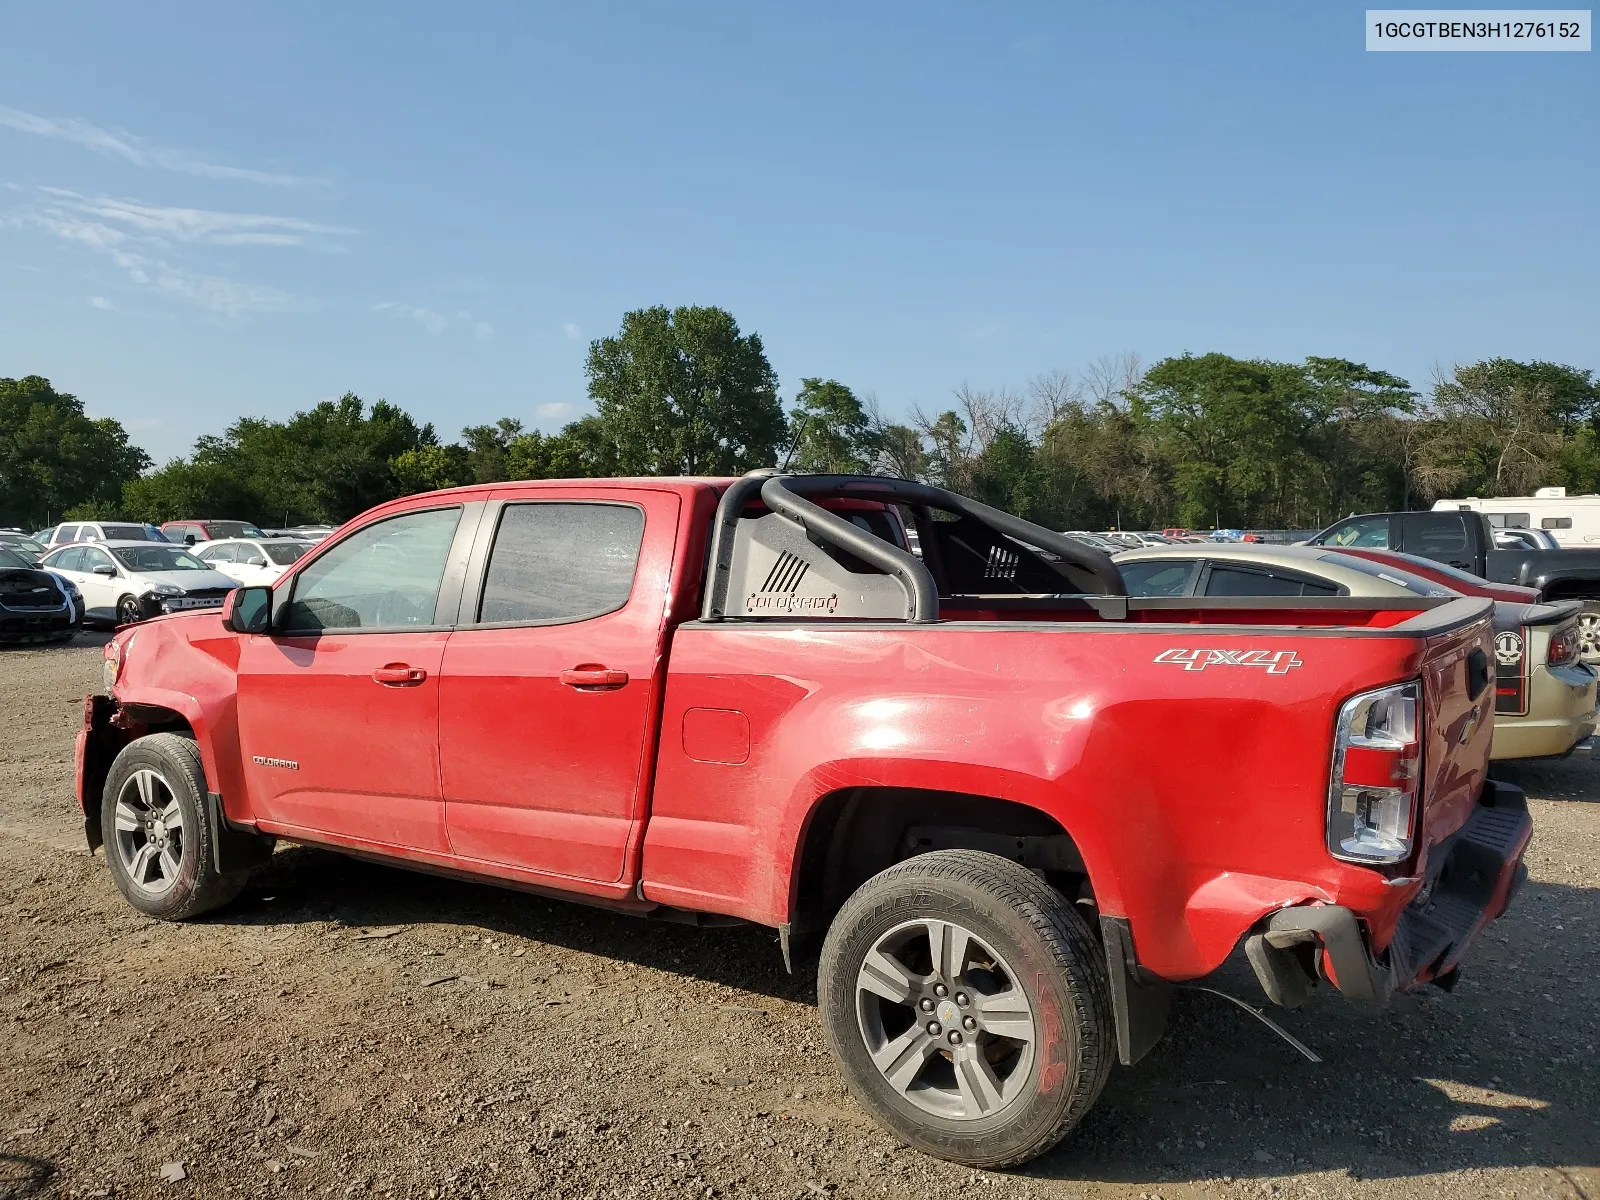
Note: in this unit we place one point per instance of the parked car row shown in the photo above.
(127, 581)
(1545, 695)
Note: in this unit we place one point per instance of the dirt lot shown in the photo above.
(350, 1030)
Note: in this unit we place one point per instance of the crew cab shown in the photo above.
(1465, 539)
(752, 699)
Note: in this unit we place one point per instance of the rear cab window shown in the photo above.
(1159, 577)
(1414, 584)
(1238, 580)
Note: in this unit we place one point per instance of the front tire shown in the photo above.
(967, 1005)
(129, 612)
(157, 834)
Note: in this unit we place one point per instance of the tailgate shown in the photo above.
(1458, 725)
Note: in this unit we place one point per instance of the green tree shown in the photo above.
(183, 489)
(1228, 428)
(684, 392)
(577, 452)
(1500, 427)
(831, 431)
(53, 457)
(487, 447)
(429, 468)
(327, 463)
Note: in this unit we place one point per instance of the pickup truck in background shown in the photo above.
(1465, 539)
(750, 699)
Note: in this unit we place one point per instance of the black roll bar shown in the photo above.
(786, 494)
(922, 594)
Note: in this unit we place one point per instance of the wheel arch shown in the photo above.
(111, 725)
(1570, 587)
(852, 833)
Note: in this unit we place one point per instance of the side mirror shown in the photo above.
(106, 569)
(248, 610)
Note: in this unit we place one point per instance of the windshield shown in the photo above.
(10, 558)
(1466, 577)
(131, 533)
(158, 558)
(1412, 583)
(233, 529)
(284, 553)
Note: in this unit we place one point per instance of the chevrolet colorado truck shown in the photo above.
(751, 699)
(1464, 539)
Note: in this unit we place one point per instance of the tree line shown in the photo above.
(1194, 440)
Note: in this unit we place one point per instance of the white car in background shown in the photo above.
(250, 560)
(124, 582)
(103, 531)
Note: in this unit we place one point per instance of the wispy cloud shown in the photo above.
(136, 150)
(553, 410)
(141, 238)
(194, 224)
(434, 322)
(572, 332)
(100, 302)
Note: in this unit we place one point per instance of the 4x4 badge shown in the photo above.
(1274, 662)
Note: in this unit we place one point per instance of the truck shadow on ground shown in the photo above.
(21, 1176)
(1570, 778)
(1499, 1074)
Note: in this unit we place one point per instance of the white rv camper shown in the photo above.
(1571, 520)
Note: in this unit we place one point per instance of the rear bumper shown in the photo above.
(1561, 713)
(1473, 879)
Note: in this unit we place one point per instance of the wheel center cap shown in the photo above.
(948, 1013)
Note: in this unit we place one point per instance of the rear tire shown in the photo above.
(967, 1006)
(157, 834)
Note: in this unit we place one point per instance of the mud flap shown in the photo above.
(234, 848)
(1139, 1001)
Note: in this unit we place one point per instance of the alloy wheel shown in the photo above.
(150, 832)
(945, 1020)
(1589, 636)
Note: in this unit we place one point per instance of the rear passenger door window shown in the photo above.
(1159, 577)
(553, 563)
(1245, 581)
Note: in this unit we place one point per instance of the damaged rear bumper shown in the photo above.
(1473, 877)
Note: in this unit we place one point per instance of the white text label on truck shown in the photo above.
(1275, 662)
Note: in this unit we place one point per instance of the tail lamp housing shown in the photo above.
(1563, 647)
(1377, 774)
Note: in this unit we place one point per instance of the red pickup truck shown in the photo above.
(753, 699)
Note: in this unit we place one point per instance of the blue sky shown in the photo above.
(216, 210)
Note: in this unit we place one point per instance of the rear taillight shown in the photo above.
(1377, 769)
(1563, 646)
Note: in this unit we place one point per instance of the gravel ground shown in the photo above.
(347, 1029)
